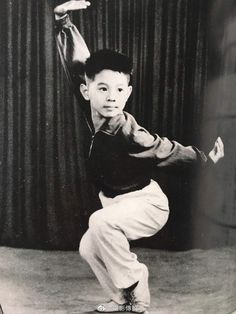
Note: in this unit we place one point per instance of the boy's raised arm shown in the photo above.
(71, 45)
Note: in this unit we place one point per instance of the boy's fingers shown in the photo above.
(78, 3)
(220, 142)
(72, 5)
(221, 145)
(220, 150)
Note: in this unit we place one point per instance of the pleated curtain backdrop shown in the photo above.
(45, 196)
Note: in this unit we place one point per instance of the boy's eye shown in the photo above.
(120, 89)
(103, 89)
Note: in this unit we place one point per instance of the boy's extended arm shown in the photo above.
(165, 152)
(71, 46)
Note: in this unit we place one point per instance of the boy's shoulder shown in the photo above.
(128, 130)
(135, 133)
(129, 123)
(129, 118)
(123, 122)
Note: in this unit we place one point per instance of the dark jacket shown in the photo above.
(122, 154)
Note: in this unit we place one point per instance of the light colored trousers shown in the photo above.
(105, 245)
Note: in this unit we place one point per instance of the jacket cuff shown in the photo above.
(201, 157)
(63, 22)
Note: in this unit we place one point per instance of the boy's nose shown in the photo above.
(111, 97)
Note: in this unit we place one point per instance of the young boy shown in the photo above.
(122, 157)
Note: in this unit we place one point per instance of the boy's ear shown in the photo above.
(130, 89)
(84, 91)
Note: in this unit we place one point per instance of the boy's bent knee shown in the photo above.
(98, 223)
(95, 219)
(85, 247)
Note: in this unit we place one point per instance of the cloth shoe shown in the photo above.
(137, 298)
(113, 307)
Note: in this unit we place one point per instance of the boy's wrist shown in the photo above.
(60, 10)
(59, 16)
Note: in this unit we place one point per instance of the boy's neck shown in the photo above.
(97, 120)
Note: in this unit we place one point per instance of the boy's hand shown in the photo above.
(71, 6)
(218, 151)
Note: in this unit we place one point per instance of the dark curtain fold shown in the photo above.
(45, 195)
(215, 200)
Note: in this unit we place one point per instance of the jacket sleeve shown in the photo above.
(73, 51)
(161, 150)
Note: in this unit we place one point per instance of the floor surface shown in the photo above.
(40, 282)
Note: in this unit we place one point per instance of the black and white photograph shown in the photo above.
(118, 156)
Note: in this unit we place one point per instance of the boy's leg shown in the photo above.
(127, 217)
(89, 251)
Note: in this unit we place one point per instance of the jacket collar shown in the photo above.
(112, 125)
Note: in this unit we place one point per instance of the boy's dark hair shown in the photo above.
(107, 59)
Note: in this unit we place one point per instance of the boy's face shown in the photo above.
(108, 92)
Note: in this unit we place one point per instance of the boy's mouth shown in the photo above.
(109, 107)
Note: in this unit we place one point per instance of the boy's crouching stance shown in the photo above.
(122, 158)
(105, 245)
